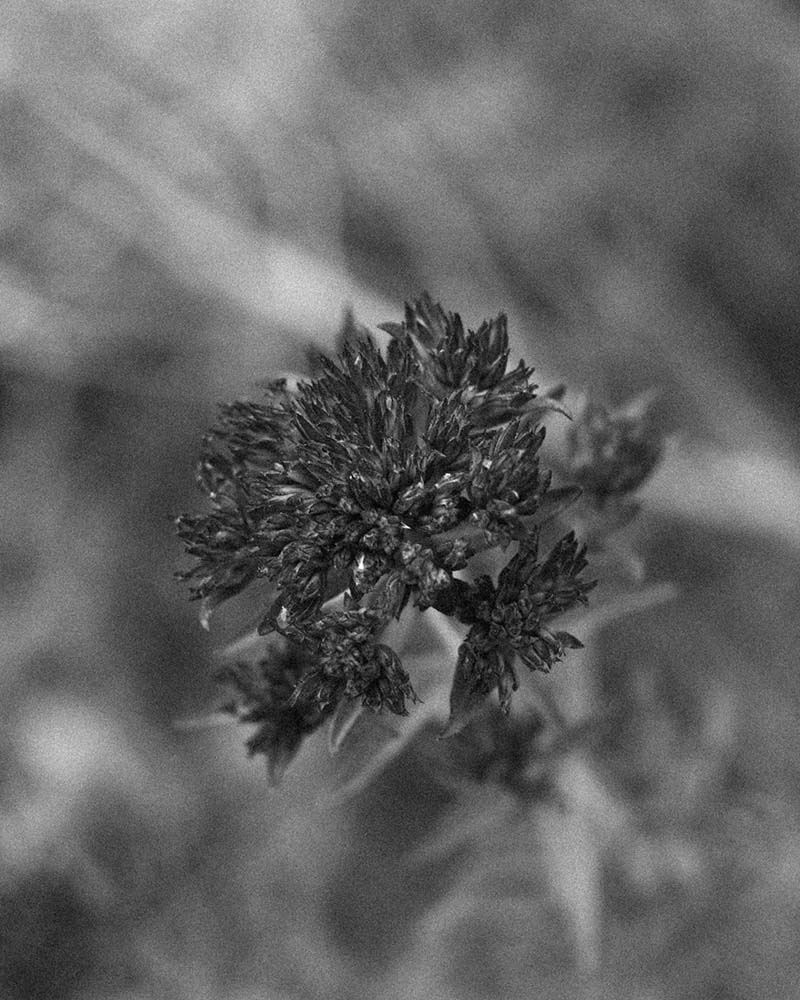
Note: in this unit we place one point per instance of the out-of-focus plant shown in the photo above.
(399, 485)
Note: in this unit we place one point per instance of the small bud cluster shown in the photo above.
(612, 453)
(347, 662)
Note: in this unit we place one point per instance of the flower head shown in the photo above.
(376, 483)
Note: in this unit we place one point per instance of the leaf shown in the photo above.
(396, 330)
(207, 607)
(590, 821)
(432, 710)
(543, 405)
(378, 762)
(568, 641)
(555, 501)
(472, 827)
(626, 604)
(638, 407)
(279, 758)
(207, 720)
(248, 646)
(465, 698)
(738, 491)
(345, 716)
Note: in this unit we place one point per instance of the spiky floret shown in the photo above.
(472, 363)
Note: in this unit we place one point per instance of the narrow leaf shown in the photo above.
(432, 710)
(543, 405)
(465, 698)
(345, 716)
(620, 607)
(208, 720)
(207, 608)
(278, 760)
(555, 501)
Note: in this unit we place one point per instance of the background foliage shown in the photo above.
(192, 192)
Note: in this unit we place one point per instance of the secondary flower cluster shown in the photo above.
(372, 487)
(262, 694)
(511, 620)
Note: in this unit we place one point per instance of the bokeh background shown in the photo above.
(193, 192)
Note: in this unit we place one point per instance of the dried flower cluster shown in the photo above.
(372, 487)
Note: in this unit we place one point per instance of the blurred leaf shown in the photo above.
(618, 607)
(465, 699)
(345, 716)
(753, 491)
